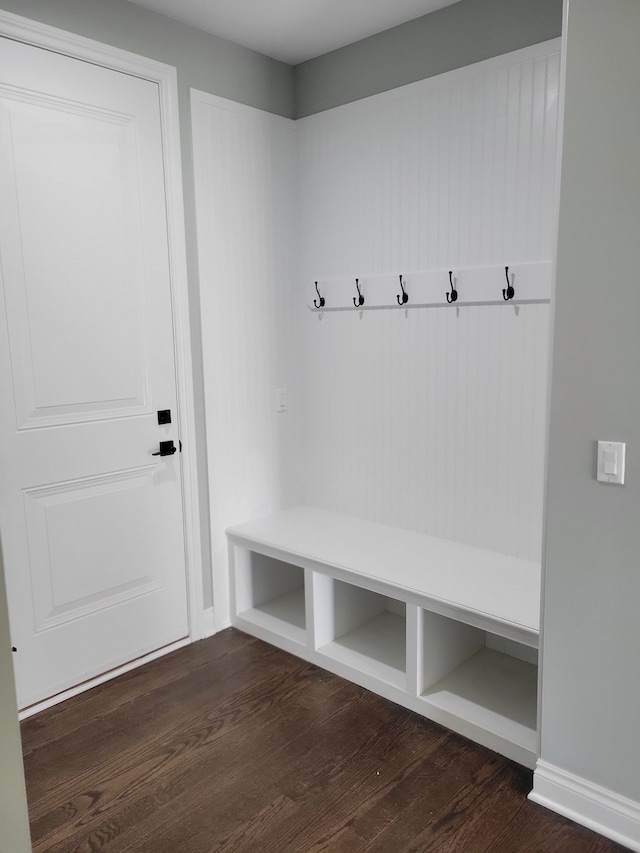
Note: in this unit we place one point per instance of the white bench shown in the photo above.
(447, 630)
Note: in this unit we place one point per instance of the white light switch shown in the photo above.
(281, 400)
(611, 462)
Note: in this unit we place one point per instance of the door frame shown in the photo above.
(78, 47)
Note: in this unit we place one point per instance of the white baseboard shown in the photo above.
(209, 623)
(597, 808)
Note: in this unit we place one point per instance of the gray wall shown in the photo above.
(591, 686)
(203, 62)
(14, 824)
(458, 35)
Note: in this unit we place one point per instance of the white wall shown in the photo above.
(431, 418)
(244, 175)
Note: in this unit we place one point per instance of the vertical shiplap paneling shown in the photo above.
(245, 196)
(431, 418)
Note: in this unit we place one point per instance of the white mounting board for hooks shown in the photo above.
(479, 285)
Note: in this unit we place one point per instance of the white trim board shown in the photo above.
(199, 96)
(244, 191)
(210, 625)
(50, 38)
(588, 804)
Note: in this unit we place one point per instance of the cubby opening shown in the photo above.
(481, 678)
(366, 631)
(270, 593)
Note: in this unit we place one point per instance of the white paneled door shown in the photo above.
(91, 522)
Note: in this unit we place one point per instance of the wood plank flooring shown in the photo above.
(231, 745)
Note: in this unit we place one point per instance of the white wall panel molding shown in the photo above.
(591, 805)
(210, 627)
(456, 171)
(431, 420)
(244, 161)
(427, 420)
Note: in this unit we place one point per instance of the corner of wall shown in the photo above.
(590, 805)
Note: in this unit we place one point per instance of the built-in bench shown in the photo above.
(445, 629)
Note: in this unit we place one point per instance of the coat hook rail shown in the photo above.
(509, 291)
(447, 286)
(454, 292)
(402, 298)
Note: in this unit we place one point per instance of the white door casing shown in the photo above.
(93, 524)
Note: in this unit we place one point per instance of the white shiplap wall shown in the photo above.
(244, 165)
(454, 171)
(431, 418)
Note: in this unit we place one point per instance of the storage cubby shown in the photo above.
(270, 594)
(445, 629)
(485, 680)
(365, 631)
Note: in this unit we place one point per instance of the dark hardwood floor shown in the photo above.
(232, 745)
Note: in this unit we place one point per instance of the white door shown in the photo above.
(92, 522)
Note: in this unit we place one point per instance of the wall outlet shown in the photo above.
(281, 400)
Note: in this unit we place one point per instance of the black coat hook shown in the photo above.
(508, 292)
(454, 292)
(359, 302)
(404, 297)
(319, 304)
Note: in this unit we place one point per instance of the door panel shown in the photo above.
(68, 522)
(73, 206)
(101, 271)
(92, 523)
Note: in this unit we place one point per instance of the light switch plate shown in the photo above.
(611, 458)
(281, 400)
